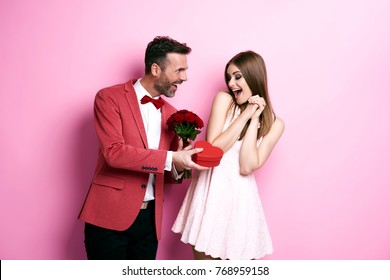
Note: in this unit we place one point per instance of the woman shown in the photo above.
(221, 215)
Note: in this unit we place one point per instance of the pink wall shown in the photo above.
(325, 189)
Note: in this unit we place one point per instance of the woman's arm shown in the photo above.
(253, 157)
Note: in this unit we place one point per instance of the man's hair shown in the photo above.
(157, 50)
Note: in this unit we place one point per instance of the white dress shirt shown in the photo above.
(152, 122)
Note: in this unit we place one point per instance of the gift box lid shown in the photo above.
(210, 156)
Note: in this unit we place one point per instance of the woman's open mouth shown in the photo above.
(237, 93)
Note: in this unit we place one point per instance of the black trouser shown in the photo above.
(139, 242)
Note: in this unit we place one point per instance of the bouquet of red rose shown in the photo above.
(185, 124)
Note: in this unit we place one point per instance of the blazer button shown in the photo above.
(143, 186)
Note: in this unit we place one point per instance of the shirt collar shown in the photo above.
(141, 91)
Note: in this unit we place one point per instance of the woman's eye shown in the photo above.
(238, 77)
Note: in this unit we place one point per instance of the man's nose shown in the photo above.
(183, 76)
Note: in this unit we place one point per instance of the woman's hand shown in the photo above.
(250, 110)
(259, 103)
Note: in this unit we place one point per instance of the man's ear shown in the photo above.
(155, 69)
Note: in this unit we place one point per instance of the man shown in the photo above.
(123, 209)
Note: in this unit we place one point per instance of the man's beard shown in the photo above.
(163, 86)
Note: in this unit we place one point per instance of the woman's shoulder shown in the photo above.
(278, 124)
(223, 95)
(222, 101)
(222, 98)
(278, 121)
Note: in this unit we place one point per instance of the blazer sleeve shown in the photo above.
(174, 177)
(131, 155)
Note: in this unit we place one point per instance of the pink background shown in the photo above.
(325, 188)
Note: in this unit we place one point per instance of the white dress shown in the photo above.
(222, 213)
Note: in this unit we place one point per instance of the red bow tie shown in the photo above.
(156, 102)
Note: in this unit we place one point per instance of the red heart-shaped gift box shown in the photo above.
(210, 156)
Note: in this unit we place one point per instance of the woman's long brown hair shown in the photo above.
(253, 69)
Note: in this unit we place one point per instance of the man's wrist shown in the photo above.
(177, 175)
(168, 161)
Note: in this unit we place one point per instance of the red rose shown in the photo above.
(199, 122)
(184, 123)
(178, 118)
(189, 117)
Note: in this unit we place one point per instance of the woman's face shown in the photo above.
(237, 84)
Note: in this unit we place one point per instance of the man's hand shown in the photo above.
(182, 158)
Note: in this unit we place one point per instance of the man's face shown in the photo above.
(174, 74)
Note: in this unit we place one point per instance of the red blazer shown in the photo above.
(124, 162)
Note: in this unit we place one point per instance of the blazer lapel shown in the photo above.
(166, 134)
(131, 97)
(164, 130)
